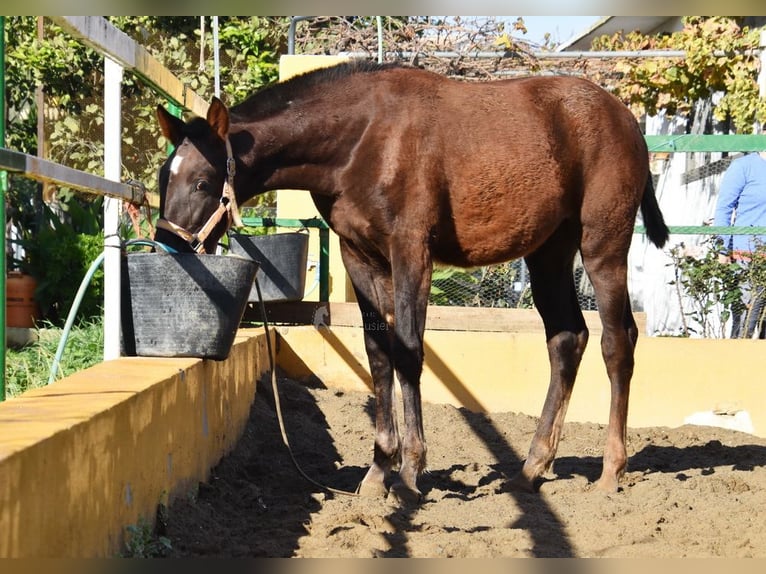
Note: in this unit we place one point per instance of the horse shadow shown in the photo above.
(256, 503)
(671, 459)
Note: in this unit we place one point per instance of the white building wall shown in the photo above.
(651, 270)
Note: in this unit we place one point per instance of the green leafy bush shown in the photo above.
(713, 287)
(58, 254)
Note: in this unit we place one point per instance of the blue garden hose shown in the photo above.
(55, 366)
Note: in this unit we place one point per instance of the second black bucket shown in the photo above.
(281, 259)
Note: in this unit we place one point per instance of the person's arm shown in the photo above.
(732, 183)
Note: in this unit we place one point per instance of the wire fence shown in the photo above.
(505, 285)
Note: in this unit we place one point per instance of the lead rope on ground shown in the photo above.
(278, 407)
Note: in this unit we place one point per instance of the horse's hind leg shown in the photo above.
(411, 272)
(555, 297)
(608, 274)
(374, 291)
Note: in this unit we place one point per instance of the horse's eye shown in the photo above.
(201, 185)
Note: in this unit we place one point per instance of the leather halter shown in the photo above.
(227, 207)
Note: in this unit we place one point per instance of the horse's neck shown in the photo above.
(299, 148)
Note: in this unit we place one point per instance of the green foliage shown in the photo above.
(71, 75)
(142, 542)
(29, 367)
(755, 275)
(712, 286)
(62, 65)
(60, 245)
(58, 257)
(721, 56)
(24, 208)
(491, 286)
(250, 48)
(253, 47)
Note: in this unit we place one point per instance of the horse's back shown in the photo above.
(558, 109)
(521, 156)
(487, 170)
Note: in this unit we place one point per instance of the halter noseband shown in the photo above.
(227, 206)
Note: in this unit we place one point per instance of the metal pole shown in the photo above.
(762, 72)
(3, 189)
(112, 170)
(291, 36)
(380, 38)
(544, 55)
(217, 72)
(201, 67)
(291, 32)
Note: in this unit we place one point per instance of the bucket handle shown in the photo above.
(150, 243)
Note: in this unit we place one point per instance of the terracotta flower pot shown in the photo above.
(21, 310)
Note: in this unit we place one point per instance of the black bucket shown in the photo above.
(183, 304)
(282, 261)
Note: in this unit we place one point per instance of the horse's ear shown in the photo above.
(171, 126)
(218, 118)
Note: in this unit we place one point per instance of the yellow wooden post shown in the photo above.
(297, 204)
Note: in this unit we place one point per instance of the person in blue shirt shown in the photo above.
(742, 202)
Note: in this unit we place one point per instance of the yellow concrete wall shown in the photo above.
(86, 456)
(484, 371)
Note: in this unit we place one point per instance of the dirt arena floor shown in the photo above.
(691, 491)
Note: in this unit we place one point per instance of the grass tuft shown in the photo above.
(29, 367)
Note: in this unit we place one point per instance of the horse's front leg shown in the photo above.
(387, 442)
(374, 294)
(411, 271)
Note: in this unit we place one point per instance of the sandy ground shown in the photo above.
(691, 491)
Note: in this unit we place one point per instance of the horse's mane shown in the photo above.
(275, 97)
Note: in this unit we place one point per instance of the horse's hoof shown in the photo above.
(404, 495)
(520, 483)
(607, 484)
(371, 489)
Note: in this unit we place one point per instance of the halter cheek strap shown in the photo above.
(227, 207)
(228, 188)
(197, 240)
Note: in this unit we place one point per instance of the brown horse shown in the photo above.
(408, 168)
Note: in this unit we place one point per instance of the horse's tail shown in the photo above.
(654, 222)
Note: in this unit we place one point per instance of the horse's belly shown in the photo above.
(493, 241)
(475, 253)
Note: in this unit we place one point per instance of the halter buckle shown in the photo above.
(196, 245)
(231, 167)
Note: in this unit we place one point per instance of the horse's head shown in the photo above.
(197, 201)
